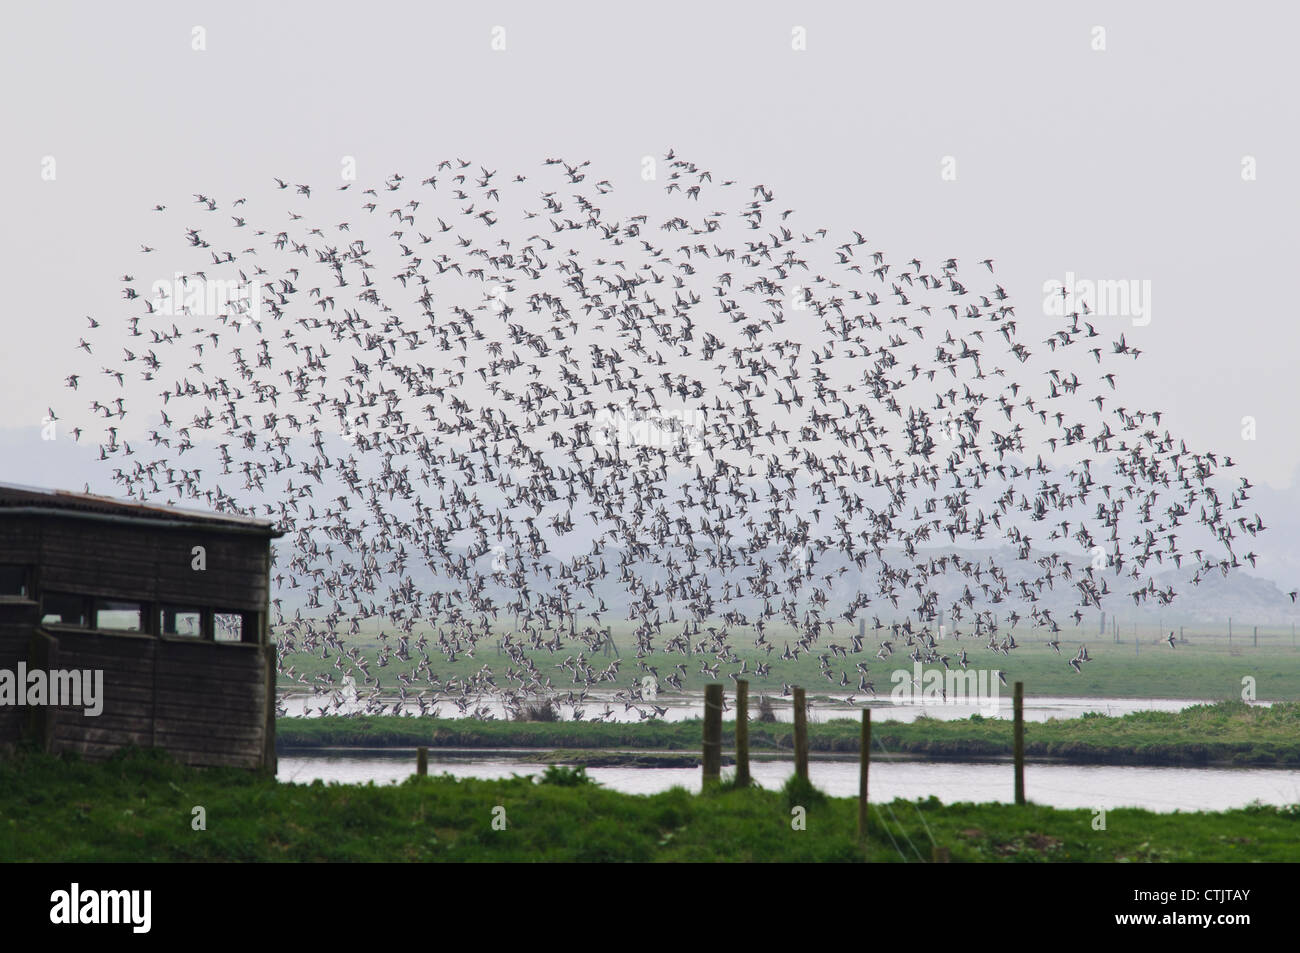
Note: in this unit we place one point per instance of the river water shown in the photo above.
(1057, 785)
(820, 707)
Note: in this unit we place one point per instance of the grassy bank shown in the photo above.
(140, 805)
(1227, 732)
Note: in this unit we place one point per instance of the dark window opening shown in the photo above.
(119, 615)
(178, 620)
(64, 608)
(15, 581)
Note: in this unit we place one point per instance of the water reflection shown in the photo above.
(821, 708)
(1063, 786)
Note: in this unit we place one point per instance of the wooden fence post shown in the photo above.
(1020, 742)
(421, 761)
(800, 734)
(742, 733)
(712, 733)
(864, 762)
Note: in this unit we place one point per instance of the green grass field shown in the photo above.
(140, 806)
(1229, 732)
(1208, 667)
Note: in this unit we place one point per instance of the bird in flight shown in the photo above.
(513, 414)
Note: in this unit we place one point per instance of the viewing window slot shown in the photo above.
(119, 615)
(64, 608)
(15, 581)
(228, 627)
(179, 620)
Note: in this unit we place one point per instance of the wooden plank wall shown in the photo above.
(211, 702)
(204, 703)
(20, 539)
(154, 565)
(17, 621)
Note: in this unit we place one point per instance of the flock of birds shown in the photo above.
(503, 388)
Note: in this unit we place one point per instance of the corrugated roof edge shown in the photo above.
(17, 497)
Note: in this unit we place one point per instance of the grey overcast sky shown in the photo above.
(1167, 158)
